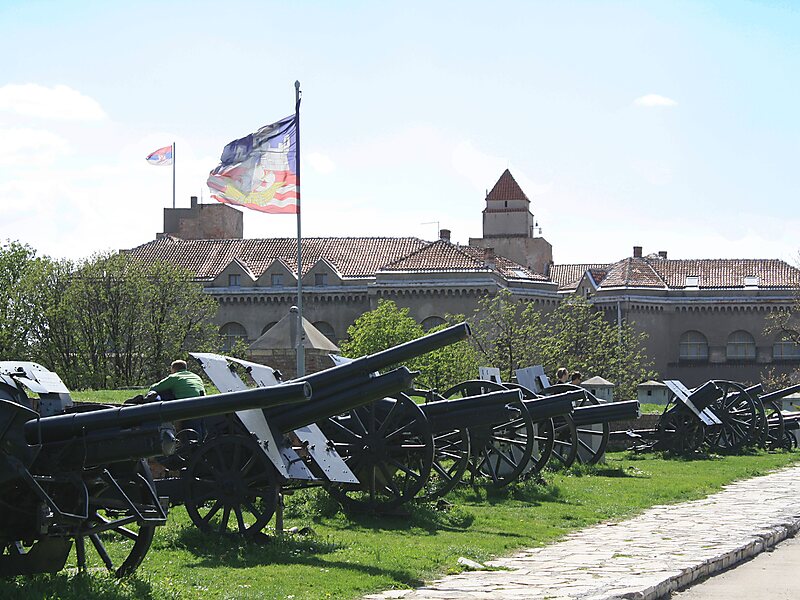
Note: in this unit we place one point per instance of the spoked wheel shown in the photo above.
(122, 520)
(775, 425)
(592, 438)
(389, 447)
(788, 441)
(230, 486)
(544, 435)
(450, 462)
(565, 442)
(679, 431)
(738, 413)
(502, 453)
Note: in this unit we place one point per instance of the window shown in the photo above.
(234, 280)
(326, 329)
(741, 346)
(276, 279)
(692, 281)
(230, 334)
(786, 348)
(320, 279)
(693, 346)
(752, 281)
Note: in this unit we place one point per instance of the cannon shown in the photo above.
(73, 473)
(369, 453)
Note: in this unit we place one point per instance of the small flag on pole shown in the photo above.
(162, 156)
(259, 171)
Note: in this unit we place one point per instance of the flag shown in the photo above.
(259, 171)
(162, 156)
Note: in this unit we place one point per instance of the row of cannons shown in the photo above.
(80, 475)
(721, 417)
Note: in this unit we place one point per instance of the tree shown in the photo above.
(785, 325)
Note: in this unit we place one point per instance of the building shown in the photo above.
(705, 319)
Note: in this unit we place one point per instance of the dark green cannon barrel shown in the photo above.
(318, 409)
(606, 413)
(67, 426)
(556, 405)
(779, 394)
(472, 411)
(324, 381)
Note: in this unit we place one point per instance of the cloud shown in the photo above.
(321, 163)
(59, 102)
(21, 146)
(653, 100)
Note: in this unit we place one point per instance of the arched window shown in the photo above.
(431, 322)
(785, 348)
(326, 329)
(693, 346)
(741, 346)
(268, 327)
(230, 332)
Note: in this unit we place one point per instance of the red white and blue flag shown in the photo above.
(162, 156)
(259, 171)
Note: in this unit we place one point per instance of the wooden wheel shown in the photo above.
(230, 486)
(738, 414)
(565, 442)
(389, 447)
(679, 431)
(544, 435)
(775, 425)
(592, 438)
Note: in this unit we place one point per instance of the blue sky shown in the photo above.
(670, 125)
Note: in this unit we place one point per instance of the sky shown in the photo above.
(668, 125)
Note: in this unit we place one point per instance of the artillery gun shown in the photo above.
(72, 472)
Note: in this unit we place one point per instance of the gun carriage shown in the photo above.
(75, 472)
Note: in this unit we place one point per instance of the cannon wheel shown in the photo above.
(501, 453)
(230, 486)
(738, 412)
(775, 425)
(389, 447)
(679, 431)
(108, 514)
(544, 435)
(590, 442)
(788, 441)
(565, 450)
(450, 458)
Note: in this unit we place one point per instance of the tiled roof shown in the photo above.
(352, 257)
(442, 256)
(568, 276)
(506, 188)
(654, 272)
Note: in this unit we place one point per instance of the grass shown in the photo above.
(346, 557)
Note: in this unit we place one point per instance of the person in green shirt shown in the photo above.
(180, 383)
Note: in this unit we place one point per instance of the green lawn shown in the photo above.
(346, 557)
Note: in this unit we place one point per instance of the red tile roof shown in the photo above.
(506, 188)
(351, 257)
(654, 272)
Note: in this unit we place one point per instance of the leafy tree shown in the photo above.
(785, 324)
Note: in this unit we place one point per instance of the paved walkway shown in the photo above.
(647, 557)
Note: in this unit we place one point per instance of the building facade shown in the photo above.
(705, 319)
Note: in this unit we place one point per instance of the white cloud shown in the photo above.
(59, 102)
(321, 163)
(22, 146)
(652, 100)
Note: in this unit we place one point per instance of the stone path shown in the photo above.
(647, 557)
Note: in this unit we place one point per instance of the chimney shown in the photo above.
(444, 234)
(662, 254)
(637, 252)
(193, 200)
(488, 257)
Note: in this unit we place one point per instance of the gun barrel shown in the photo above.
(605, 413)
(778, 394)
(63, 427)
(556, 405)
(329, 405)
(472, 411)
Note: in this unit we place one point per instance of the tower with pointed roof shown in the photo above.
(510, 229)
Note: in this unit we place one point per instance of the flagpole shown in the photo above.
(301, 332)
(173, 174)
